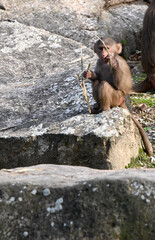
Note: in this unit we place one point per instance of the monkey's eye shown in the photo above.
(101, 48)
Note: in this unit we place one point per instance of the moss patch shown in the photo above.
(143, 160)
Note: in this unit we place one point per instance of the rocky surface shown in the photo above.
(40, 96)
(39, 68)
(81, 20)
(105, 141)
(61, 202)
(44, 119)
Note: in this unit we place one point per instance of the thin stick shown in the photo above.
(105, 48)
(103, 44)
(84, 92)
(81, 59)
(83, 87)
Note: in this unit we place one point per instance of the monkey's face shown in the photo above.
(105, 53)
(107, 48)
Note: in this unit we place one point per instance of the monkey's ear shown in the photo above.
(119, 48)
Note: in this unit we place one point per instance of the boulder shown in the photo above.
(105, 141)
(44, 117)
(60, 202)
(82, 20)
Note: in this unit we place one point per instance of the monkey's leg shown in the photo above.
(152, 79)
(95, 87)
(109, 97)
(105, 92)
(142, 87)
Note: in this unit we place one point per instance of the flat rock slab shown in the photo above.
(66, 202)
(105, 141)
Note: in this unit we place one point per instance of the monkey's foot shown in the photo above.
(153, 81)
(96, 106)
(121, 101)
(143, 87)
(99, 110)
(96, 110)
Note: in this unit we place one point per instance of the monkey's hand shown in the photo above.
(113, 61)
(90, 75)
(87, 74)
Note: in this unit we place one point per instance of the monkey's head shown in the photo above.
(107, 48)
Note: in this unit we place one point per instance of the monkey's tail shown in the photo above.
(142, 87)
(147, 144)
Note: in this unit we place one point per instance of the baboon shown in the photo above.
(148, 50)
(111, 81)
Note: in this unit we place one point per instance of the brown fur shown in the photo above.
(111, 81)
(148, 50)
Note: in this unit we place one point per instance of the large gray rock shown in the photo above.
(40, 68)
(60, 202)
(106, 141)
(41, 102)
(82, 20)
(29, 53)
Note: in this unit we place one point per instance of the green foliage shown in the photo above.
(149, 100)
(147, 128)
(124, 42)
(143, 160)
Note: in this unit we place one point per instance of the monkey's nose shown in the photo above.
(104, 56)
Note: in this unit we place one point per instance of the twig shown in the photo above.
(78, 59)
(81, 59)
(85, 91)
(103, 44)
(83, 81)
(83, 87)
(105, 48)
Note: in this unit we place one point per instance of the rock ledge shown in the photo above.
(65, 202)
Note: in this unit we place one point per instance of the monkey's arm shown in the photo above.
(118, 68)
(122, 75)
(114, 63)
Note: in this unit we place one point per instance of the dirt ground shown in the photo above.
(146, 116)
(143, 112)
